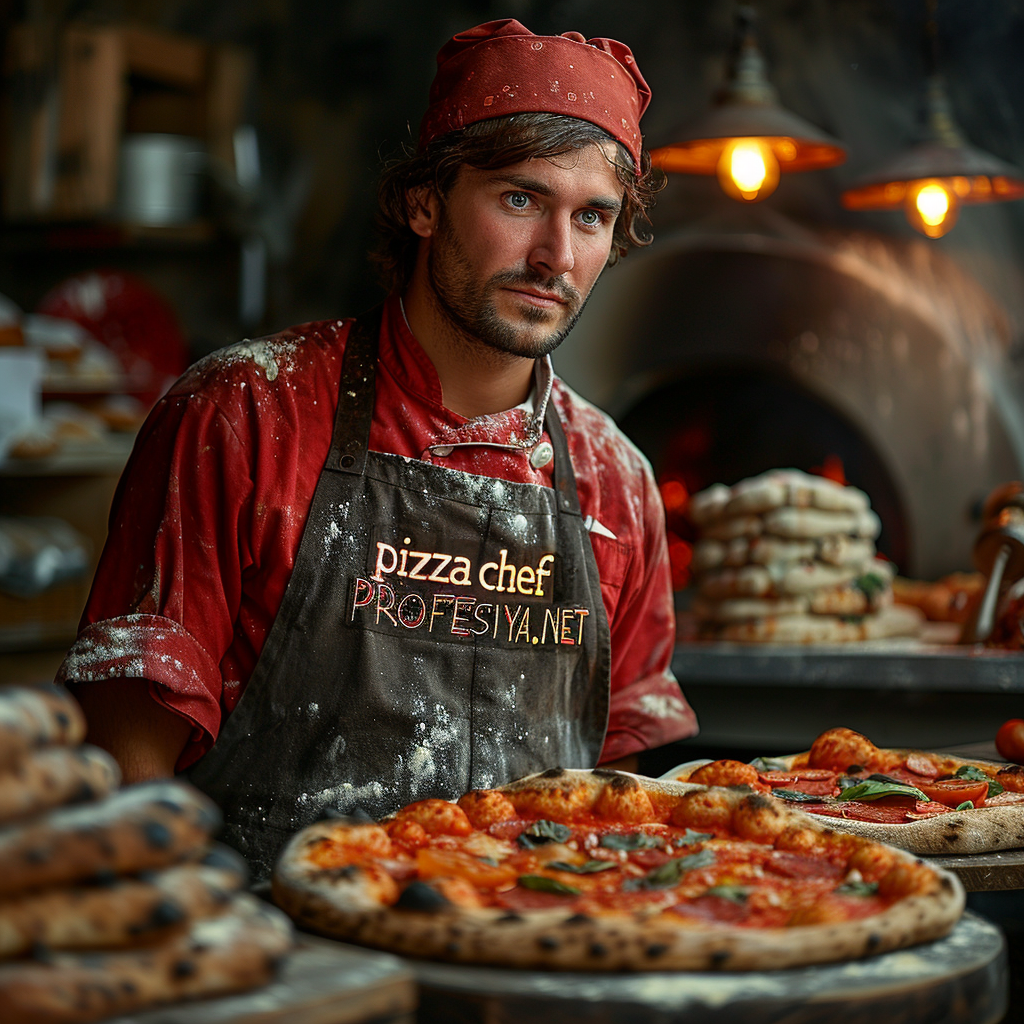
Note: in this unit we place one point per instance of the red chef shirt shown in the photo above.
(208, 515)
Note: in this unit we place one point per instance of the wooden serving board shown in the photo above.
(321, 982)
(961, 979)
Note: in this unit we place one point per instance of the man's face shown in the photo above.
(516, 250)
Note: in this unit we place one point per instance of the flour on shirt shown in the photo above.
(661, 706)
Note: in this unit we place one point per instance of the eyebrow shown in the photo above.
(533, 185)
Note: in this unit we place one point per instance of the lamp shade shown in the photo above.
(747, 134)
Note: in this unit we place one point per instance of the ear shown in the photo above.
(423, 207)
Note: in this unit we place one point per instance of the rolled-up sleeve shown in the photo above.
(166, 594)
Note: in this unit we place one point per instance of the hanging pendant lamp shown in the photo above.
(931, 179)
(748, 139)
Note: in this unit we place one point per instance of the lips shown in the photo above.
(543, 299)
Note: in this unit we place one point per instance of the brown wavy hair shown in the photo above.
(487, 145)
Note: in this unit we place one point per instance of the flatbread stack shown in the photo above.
(112, 900)
(786, 557)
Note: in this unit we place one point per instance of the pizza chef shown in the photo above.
(364, 562)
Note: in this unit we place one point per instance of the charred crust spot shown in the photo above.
(157, 834)
(656, 949)
(955, 824)
(422, 897)
(720, 957)
(624, 783)
(452, 948)
(548, 942)
(578, 919)
(597, 949)
(165, 913)
(605, 773)
(874, 940)
(106, 878)
(41, 953)
(129, 988)
(83, 793)
(169, 805)
(219, 857)
(36, 855)
(510, 918)
(552, 773)
(61, 718)
(945, 884)
(758, 801)
(347, 871)
(183, 968)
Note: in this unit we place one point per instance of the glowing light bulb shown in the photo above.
(931, 207)
(748, 170)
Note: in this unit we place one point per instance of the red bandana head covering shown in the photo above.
(502, 68)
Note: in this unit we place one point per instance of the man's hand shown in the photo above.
(143, 736)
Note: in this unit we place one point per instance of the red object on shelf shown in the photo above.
(130, 318)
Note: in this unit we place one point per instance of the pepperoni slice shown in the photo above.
(796, 865)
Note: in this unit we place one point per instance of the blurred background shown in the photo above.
(179, 175)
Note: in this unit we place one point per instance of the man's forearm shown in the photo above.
(145, 738)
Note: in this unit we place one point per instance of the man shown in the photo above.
(359, 564)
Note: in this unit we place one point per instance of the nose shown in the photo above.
(552, 253)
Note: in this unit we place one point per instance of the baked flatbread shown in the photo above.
(791, 488)
(141, 827)
(129, 911)
(32, 717)
(810, 523)
(239, 949)
(602, 870)
(894, 621)
(54, 776)
(922, 826)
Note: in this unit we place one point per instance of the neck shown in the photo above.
(476, 380)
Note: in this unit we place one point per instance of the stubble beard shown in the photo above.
(470, 309)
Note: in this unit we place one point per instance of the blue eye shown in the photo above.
(518, 200)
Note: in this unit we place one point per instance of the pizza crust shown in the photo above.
(979, 830)
(141, 827)
(131, 911)
(56, 776)
(337, 903)
(32, 717)
(237, 950)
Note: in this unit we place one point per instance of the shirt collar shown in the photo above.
(406, 358)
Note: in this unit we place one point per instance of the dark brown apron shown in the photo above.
(440, 632)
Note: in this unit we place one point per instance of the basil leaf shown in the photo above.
(666, 875)
(689, 837)
(733, 893)
(589, 867)
(541, 883)
(796, 797)
(541, 832)
(857, 889)
(869, 789)
(967, 805)
(769, 764)
(968, 771)
(870, 585)
(630, 841)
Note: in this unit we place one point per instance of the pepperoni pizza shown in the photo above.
(603, 870)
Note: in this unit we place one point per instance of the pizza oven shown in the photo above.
(728, 349)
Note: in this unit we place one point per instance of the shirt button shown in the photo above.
(541, 455)
(442, 451)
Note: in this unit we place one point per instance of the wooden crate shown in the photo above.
(70, 103)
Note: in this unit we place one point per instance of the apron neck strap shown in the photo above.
(352, 422)
(351, 438)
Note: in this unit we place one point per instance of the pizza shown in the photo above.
(919, 801)
(604, 870)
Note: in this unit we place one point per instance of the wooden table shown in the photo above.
(961, 979)
(322, 982)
